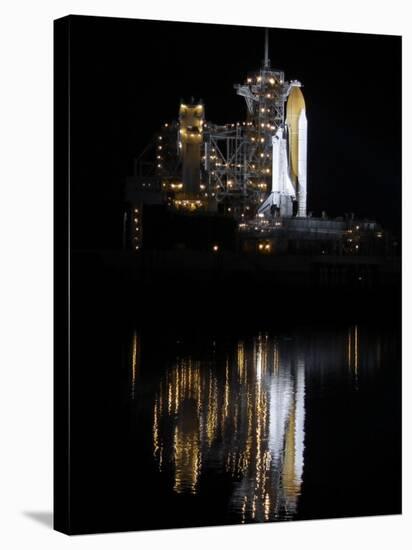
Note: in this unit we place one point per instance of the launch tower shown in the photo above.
(258, 166)
(248, 169)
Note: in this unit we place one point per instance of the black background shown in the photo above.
(128, 76)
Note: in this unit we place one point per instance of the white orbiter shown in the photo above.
(289, 160)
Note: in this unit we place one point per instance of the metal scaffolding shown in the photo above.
(235, 161)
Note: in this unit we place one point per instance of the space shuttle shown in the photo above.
(289, 163)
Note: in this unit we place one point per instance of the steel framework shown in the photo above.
(236, 158)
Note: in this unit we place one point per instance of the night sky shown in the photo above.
(128, 76)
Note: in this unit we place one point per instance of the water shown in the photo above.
(270, 426)
(243, 418)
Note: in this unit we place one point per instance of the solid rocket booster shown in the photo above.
(297, 135)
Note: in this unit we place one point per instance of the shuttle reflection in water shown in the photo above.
(245, 420)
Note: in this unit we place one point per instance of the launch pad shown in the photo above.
(252, 173)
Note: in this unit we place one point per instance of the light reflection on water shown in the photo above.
(135, 357)
(248, 422)
(237, 415)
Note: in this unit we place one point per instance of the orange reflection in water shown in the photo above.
(134, 361)
(353, 351)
